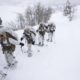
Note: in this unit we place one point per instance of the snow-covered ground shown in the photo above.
(55, 61)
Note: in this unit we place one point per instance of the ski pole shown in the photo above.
(22, 50)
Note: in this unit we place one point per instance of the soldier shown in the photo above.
(8, 43)
(51, 30)
(41, 30)
(29, 34)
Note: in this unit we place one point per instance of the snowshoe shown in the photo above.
(29, 54)
(2, 75)
(13, 65)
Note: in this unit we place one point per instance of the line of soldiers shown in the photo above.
(9, 41)
(43, 28)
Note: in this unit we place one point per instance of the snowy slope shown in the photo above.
(9, 13)
(60, 61)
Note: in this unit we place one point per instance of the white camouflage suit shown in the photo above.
(10, 59)
(41, 32)
(51, 32)
(6, 43)
(29, 35)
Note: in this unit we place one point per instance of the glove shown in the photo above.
(22, 44)
(36, 30)
(33, 42)
(21, 39)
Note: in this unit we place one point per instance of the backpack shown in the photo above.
(28, 37)
(51, 28)
(41, 31)
(7, 47)
(8, 33)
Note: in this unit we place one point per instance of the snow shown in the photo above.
(9, 13)
(55, 61)
(8, 30)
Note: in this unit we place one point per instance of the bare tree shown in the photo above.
(20, 21)
(12, 25)
(29, 15)
(37, 14)
(47, 14)
(42, 14)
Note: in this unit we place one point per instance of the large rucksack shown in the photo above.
(51, 28)
(28, 35)
(6, 34)
(41, 30)
(9, 33)
(7, 47)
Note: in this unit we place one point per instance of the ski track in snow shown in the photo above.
(60, 61)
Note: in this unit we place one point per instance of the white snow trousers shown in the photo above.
(50, 36)
(9, 58)
(29, 47)
(41, 40)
